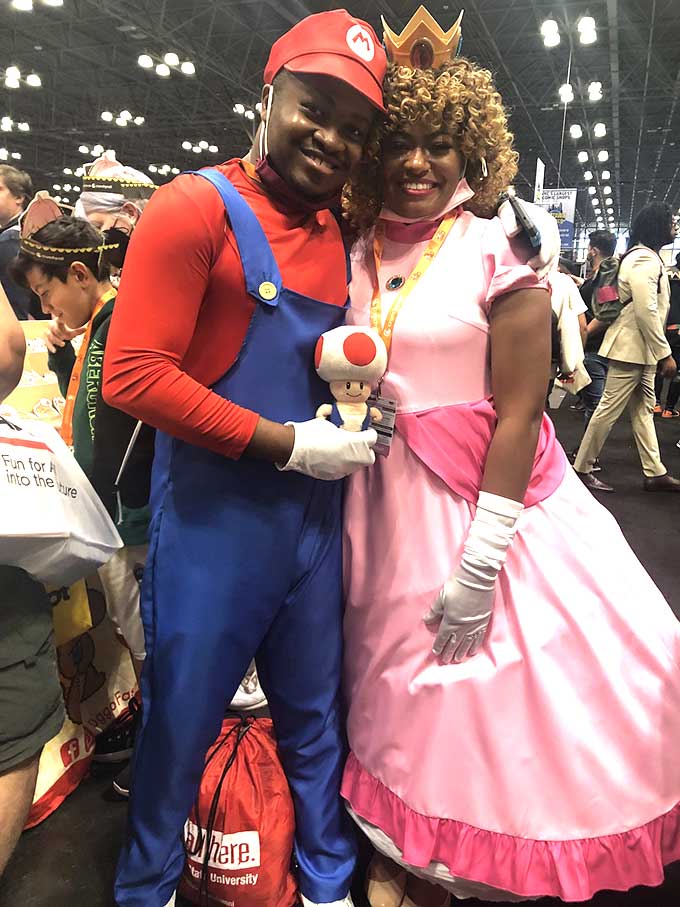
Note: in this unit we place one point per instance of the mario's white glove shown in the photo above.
(324, 451)
(547, 256)
(465, 602)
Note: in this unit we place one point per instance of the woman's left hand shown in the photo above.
(547, 255)
(464, 610)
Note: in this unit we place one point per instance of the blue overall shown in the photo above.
(336, 417)
(244, 561)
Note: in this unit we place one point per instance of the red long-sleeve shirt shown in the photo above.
(182, 310)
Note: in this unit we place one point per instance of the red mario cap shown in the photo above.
(333, 44)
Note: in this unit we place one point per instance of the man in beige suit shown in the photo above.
(636, 347)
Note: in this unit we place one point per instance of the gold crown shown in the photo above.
(423, 44)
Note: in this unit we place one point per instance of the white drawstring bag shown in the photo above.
(52, 522)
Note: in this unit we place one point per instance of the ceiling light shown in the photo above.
(6, 124)
(186, 146)
(107, 116)
(588, 175)
(196, 149)
(23, 127)
(120, 121)
(13, 72)
(603, 155)
(83, 149)
(595, 91)
(3, 154)
(11, 83)
(53, 2)
(68, 171)
(145, 61)
(587, 30)
(76, 188)
(67, 187)
(97, 150)
(592, 190)
(171, 59)
(599, 130)
(175, 170)
(203, 144)
(80, 171)
(549, 27)
(582, 156)
(258, 107)
(551, 40)
(610, 203)
(56, 187)
(239, 108)
(16, 155)
(213, 149)
(188, 68)
(34, 80)
(125, 115)
(607, 190)
(163, 70)
(249, 115)
(566, 93)
(606, 175)
(153, 168)
(24, 5)
(138, 121)
(575, 131)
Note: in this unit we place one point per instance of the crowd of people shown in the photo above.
(450, 673)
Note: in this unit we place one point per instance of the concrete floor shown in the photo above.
(69, 860)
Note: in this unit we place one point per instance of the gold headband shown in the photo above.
(117, 185)
(54, 253)
(44, 210)
(423, 44)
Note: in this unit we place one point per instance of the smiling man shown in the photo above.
(231, 276)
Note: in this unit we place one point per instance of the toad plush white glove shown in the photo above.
(324, 451)
(465, 602)
(546, 257)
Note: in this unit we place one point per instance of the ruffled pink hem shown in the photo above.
(571, 870)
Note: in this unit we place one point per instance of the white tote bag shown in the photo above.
(52, 522)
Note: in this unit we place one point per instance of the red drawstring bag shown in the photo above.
(239, 836)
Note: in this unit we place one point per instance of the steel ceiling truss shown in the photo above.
(86, 54)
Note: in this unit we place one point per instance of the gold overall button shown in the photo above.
(267, 290)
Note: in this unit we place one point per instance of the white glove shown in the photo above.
(324, 451)
(547, 256)
(465, 602)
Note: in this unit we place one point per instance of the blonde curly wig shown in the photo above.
(459, 98)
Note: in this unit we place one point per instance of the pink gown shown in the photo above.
(548, 764)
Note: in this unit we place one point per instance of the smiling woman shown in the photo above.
(454, 118)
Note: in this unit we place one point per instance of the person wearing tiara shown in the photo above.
(113, 198)
(514, 697)
(64, 260)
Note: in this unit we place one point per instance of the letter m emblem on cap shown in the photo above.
(361, 43)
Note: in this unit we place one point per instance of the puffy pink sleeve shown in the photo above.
(505, 263)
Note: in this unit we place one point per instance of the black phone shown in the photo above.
(531, 231)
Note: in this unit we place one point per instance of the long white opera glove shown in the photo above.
(547, 256)
(465, 602)
(324, 451)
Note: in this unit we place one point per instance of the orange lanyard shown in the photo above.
(424, 263)
(66, 430)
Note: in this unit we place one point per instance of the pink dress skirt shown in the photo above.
(549, 763)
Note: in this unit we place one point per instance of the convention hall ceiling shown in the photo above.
(85, 53)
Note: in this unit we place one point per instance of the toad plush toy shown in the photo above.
(352, 360)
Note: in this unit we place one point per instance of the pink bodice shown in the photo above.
(438, 369)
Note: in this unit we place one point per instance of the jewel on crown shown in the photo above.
(423, 44)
